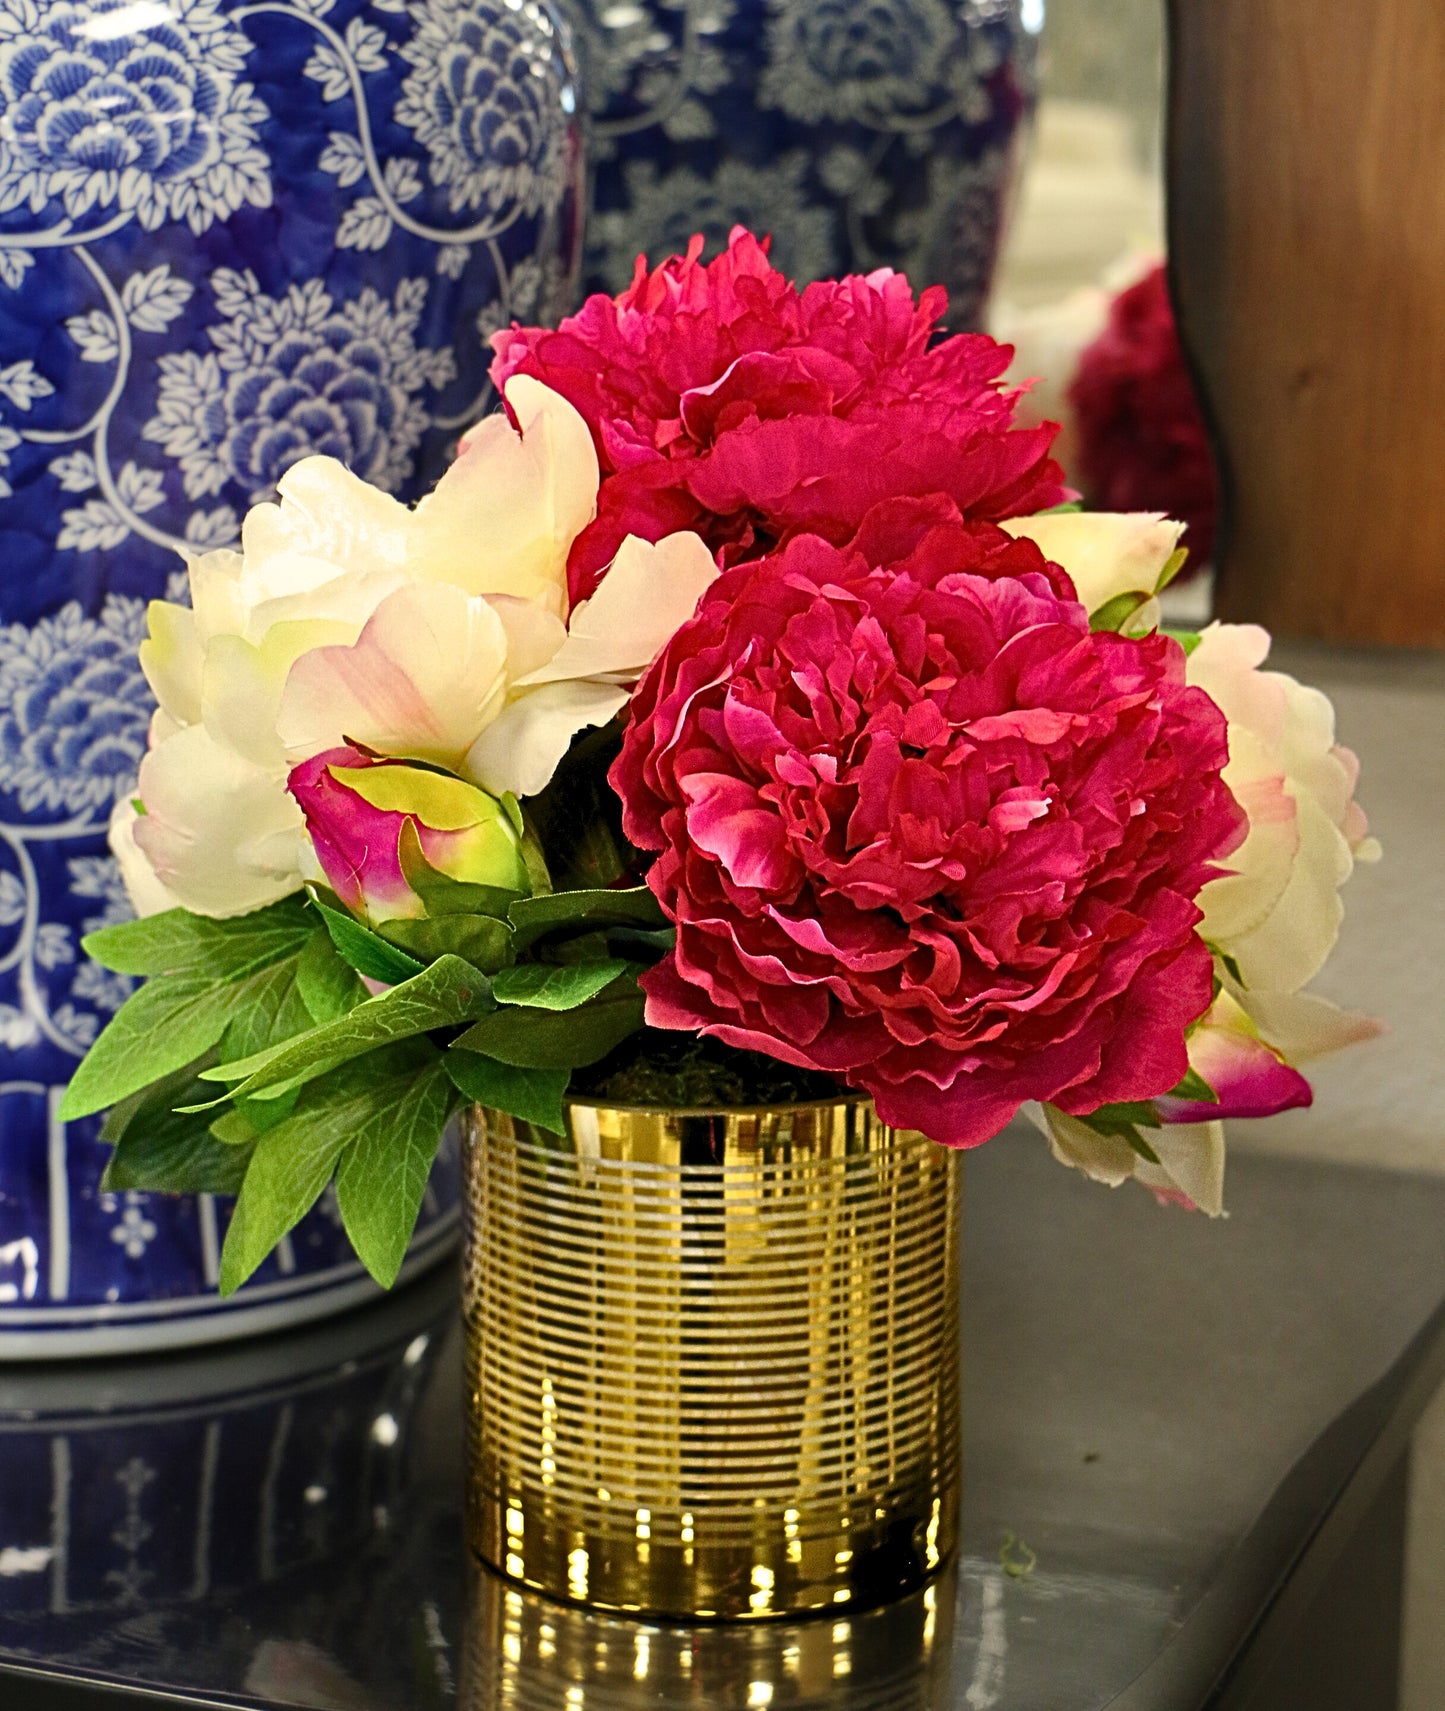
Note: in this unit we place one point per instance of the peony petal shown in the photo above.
(242, 685)
(1191, 1164)
(727, 818)
(1106, 553)
(1302, 1027)
(1191, 1156)
(171, 658)
(1104, 1158)
(220, 834)
(1249, 1078)
(647, 595)
(424, 679)
(147, 894)
(503, 518)
(325, 513)
(1278, 913)
(520, 749)
(533, 633)
(216, 594)
(1290, 945)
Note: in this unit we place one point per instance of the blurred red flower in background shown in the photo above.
(1142, 444)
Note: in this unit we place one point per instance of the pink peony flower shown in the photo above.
(721, 399)
(1142, 443)
(919, 828)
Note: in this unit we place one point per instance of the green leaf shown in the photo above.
(1066, 508)
(178, 941)
(1140, 1145)
(165, 1158)
(547, 986)
(159, 1150)
(1193, 1086)
(1187, 639)
(252, 1118)
(367, 952)
(1115, 613)
(1230, 966)
(170, 1021)
(383, 1175)
(483, 940)
(1172, 566)
(534, 1095)
(293, 1162)
(273, 1011)
(1122, 1121)
(326, 983)
(449, 992)
(1109, 1119)
(567, 1039)
(584, 911)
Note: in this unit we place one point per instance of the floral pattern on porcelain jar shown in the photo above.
(232, 233)
(860, 133)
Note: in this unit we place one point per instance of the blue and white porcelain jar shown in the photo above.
(859, 133)
(232, 232)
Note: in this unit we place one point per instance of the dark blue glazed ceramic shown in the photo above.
(232, 232)
(860, 133)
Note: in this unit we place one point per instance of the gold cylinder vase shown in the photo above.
(712, 1357)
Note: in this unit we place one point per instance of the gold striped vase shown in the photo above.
(712, 1357)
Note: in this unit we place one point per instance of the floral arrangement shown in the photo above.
(747, 714)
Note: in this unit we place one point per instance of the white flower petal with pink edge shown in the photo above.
(1191, 1156)
(422, 681)
(1277, 913)
(1301, 1027)
(148, 896)
(503, 518)
(218, 833)
(1106, 553)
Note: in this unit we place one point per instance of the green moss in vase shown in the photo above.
(688, 1072)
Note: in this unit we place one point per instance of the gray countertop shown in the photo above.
(1161, 1416)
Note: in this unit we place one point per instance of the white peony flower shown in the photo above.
(1277, 915)
(346, 616)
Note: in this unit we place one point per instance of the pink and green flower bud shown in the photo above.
(357, 810)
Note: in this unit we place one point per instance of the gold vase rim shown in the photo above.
(571, 1103)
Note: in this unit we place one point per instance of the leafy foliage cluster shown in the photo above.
(267, 1053)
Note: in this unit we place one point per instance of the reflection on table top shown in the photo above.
(279, 1524)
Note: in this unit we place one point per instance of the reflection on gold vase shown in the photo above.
(522, 1652)
(712, 1357)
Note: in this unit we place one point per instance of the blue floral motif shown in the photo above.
(840, 127)
(855, 59)
(73, 707)
(104, 114)
(482, 97)
(196, 289)
(297, 375)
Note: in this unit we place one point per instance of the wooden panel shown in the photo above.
(1307, 238)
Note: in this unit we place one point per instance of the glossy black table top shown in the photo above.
(1162, 1414)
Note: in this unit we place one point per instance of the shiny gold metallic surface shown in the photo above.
(524, 1652)
(712, 1358)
